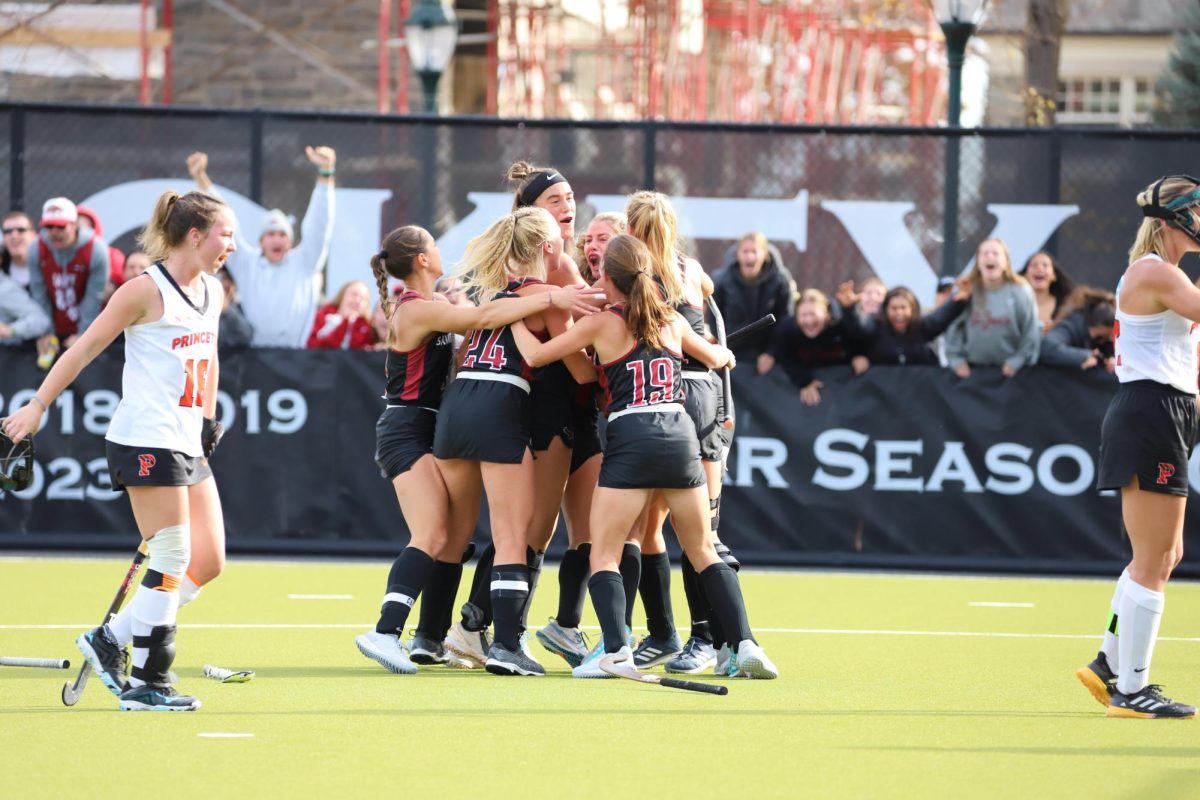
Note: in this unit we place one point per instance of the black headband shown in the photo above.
(540, 182)
(1160, 212)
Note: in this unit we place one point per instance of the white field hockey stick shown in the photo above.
(227, 675)
(46, 663)
(626, 669)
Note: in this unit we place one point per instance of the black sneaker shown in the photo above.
(425, 651)
(653, 651)
(1149, 703)
(1098, 679)
(156, 698)
(502, 661)
(105, 657)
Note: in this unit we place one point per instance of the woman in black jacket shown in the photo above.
(899, 334)
(806, 341)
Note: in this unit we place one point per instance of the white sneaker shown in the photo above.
(752, 662)
(590, 668)
(725, 665)
(470, 646)
(385, 648)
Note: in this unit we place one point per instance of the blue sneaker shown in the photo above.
(156, 698)
(590, 668)
(107, 659)
(654, 651)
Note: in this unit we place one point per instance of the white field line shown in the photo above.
(801, 631)
(991, 604)
(320, 597)
(225, 735)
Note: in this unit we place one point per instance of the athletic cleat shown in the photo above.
(697, 655)
(1149, 703)
(725, 664)
(1098, 679)
(386, 650)
(106, 658)
(502, 661)
(752, 662)
(570, 643)
(590, 668)
(470, 646)
(427, 652)
(156, 698)
(654, 651)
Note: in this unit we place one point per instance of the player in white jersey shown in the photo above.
(1146, 440)
(161, 436)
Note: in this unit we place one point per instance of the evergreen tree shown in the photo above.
(1178, 101)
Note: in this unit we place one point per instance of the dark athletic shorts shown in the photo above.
(1148, 431)
(153, 466)
(550, 400)
(701, 399)
(585, 421)
(483, 420)
(403, 435)
(651, 450)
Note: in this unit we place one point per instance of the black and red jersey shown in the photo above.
(694, 315)
(417, 377)
(496, 350)
(641, 377)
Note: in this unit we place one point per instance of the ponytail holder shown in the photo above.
(383, 255)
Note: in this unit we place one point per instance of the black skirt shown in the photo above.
(1149, 431)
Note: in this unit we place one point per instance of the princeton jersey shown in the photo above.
(496, 350)
(641, 377)
(1159, 347)
(417, 377)
(163, 385)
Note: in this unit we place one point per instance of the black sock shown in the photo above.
(479, 602)
(437, 601)
(697, 607)
(631, 574)
(533, 560)
(655, 589)
(510, 591)
(408, 576)
(572, 585)
(723, 591)
(608, 597)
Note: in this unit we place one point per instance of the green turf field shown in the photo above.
(871, 703)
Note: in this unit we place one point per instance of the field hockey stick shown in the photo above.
(725, 415)
(71, 692)
(748, 330)
(45, 663)
(626, 669)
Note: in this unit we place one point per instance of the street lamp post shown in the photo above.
(430, 34)
(958, 19)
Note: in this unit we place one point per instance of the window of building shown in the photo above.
(1105, 100)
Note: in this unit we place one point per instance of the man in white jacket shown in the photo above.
(279, 282)
(21, 319)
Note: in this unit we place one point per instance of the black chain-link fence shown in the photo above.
(430, 165)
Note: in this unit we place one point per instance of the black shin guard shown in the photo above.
(572, 585)
(608, 598)
(631, 575)
(724, 593)
(477, 611)
(697, 606)
(510, 591)
(437, 601)
(533, 560)
(160, 654)
(408, 576)
(655, 589)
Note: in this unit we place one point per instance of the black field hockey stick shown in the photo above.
(749, 330)
(626, 669)
(725, 415)
(71, 692)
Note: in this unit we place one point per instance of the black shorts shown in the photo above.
(550, 401)
(702, 398)
(153, 466)
(585, 422)
(656, 450)
(403, 435)
(1148, 431)
(482, 420)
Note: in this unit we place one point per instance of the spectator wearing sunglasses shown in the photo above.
(14, 255)
(68, 271)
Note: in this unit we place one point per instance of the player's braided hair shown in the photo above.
(395, 258)
(627, 264)
(652, 220)
(173, 216)
(510, 247)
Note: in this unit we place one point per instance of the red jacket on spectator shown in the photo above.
(333, 331)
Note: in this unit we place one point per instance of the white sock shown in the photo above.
(150, 608)
(1140, 614)
(121, 626)
(1112, 631)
